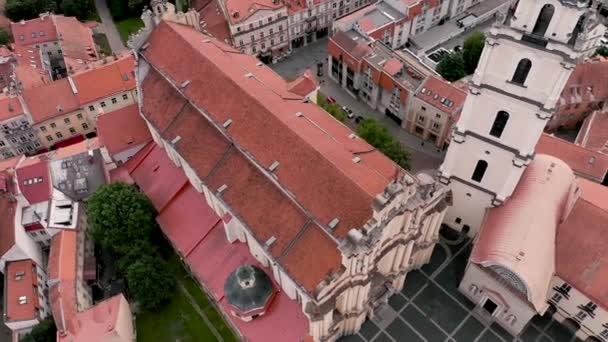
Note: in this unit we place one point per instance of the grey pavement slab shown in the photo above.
(397, 302)
(440, 308)
(383, 338)
(469, 330)
(422, 324)
(401, 332)
(414, 282)
(369, 329)
(489, 336)
(529, 334)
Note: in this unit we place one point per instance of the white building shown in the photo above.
(525, 64)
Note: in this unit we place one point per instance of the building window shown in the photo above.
(49, 138)
(125, 97)
(421, 118)
(480, 170)
(59, 135)
(114, 100)
(102, 104)
(521, 73)
(72, 130)
(543, 20)
(438, 116)
(66, 120)
(42, 128)
(91, 108)
(53, 125)
(458, 220)
(500, 122)
(79, 116)
(85, 126)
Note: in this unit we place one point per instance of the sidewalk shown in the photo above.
(108, 26)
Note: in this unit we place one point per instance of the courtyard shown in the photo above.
(430, 308)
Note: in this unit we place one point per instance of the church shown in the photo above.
(539, 231)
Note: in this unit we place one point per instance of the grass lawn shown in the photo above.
(128, 26)
(102, 41)
(179, 321)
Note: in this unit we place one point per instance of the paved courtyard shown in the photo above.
(430, 308)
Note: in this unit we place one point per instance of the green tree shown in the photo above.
(471, 51)
(77, 8)
(602, 51)
(5, 37)
(332, 108)
(43, 332)
(120, 218)
(379, 137)
(150, 282)
(451, 67)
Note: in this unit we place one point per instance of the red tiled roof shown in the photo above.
(581, 258)
(587, 82)
(10, 107)
(239, 10)
(122, 129)
(76, 41)
(62, 275)
(434, 90)
(303, 85)
(50, 100)
(392, 66)
(99, 323)
(7, 224)
(584, 162)
(593, 134)
(34, 31)
(16, 288)
(342, 42)
(264, 123)
(217, 25)
(105, 79)
(30, 69)
(34, 180)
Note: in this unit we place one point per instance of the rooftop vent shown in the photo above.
(299, 114)
(145, 46)
(592, 160)
(206, 40)
(270, 241)
(274, 166)
(333, 223)
(249, 75)
(352, 136)
(227, 123)
(222, 188)
(259, 64)
(176, 140)
(22, 300)
(356, 160)
(184, 84)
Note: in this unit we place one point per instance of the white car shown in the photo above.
(349, 112)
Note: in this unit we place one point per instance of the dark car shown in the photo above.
(359, 118)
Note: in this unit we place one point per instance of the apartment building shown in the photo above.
(63, 44)
(367, 69)
(17, 135)
(434, 109)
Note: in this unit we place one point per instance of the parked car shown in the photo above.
(331, 99)
(349, 112)
(359, 118)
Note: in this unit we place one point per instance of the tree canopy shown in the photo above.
(602, 51)
(17, 10)
(45, 331)
(379, 137)
(471, 51)
(332, 108)
(451, 67)
(150, 282)
(5, 36)
(122, 9)
(120, 218)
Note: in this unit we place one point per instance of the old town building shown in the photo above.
(363, 247)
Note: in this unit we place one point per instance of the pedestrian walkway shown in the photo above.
(108, 27)
(200, 311)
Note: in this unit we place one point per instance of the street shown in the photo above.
(423, 156)
(107, 23)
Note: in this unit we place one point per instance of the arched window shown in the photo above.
(544, 19)
(521, 73)
(500, 122)
(480, 170)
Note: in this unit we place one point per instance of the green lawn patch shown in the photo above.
(128, 26)
(332, 108)
(102, 41)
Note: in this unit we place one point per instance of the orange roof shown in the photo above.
(105, 79)
(581, 258)
(30, 69)
(239, 10)
(34, 31)
(99, 322)
(587, 82)
(10, 107)
(594, 132)
(62, 275)
(216, 23)
(303, 85)
(122, 129)
(51, 100)
(76, 41)
(392, 66)
(442, 95)
(264, 123)
(585, 162)
(21, 279)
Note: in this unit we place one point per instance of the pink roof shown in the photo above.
(585, 162)
(594, 132)
(62, 273)
(392, 66)
(98, 323)
(217, 25)
(303, 85)
(239, 10)
(34, 180)
(366, 24)
(51, 100)
(434, 90)
(587, 82)
(10, 107)
(581, 259)
(34, 31)
(103, 80)
(520, 234)
(122, 129)
(22, 287)
(76, 41)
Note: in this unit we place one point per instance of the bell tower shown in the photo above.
(528, 57)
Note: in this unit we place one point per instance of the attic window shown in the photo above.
(41, 33)
(235, 14)
(333, 223)
(22, 300)
(19, 275)
(591, 160)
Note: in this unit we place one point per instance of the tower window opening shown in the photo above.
(480, 170)
(522, 71)
(500, 122)
(544, 19)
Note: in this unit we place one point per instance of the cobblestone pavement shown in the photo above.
(430, 308)
(424, 156)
